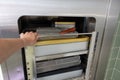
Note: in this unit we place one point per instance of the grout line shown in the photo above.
(117, 70)
(118, 58)
(114, 47)
(112, 74)
(118, 54)
(113, 41)
(112, 59)
(109, 69)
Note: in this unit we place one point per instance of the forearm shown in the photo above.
(11, 45)
(8, 47)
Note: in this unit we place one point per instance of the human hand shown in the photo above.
(29, 38)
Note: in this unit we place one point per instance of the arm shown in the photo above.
(10, 45)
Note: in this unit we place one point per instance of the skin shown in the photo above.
(8, 46)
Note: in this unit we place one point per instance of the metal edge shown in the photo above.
(90, 56)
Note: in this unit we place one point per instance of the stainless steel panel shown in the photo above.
(15, 67)
(110, 27)
(5, 72)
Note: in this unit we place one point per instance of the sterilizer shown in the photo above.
(64, 50)
(81, 53)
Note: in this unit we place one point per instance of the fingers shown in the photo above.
(21, 34)
(29, 33)
(29, 38)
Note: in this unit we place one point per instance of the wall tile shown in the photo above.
(117, 65)
(112, 63)
(113, 42)
(109, 74)
(119, 54)
(116, 75)
(114, 52)
(117, 41)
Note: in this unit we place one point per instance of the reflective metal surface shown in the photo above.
(67, 54)
(11, 10)
(110, 27)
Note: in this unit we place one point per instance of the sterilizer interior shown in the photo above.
(36, 23)
(81, 24)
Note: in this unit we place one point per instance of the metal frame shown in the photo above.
(30, 63)
(30, 58)
(90, 56)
